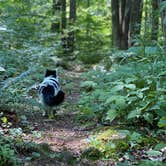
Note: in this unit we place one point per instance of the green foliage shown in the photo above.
(134, 92)
(92, 32)
(7, 153)
(112, 144)
(88, 85)
(150, 163)
(162, 6)
(91, 154)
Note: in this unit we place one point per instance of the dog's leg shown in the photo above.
(51, 113)
(45, 110)
(54, 110)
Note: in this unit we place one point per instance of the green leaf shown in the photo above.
(2, 69)
(88, 85)
(120, 102)
(4, 120)
(154, 153)
(162, 122)
(134, 114)
(117, 88)
(111, 115)
(124, 133)
(35, 155)
(162, 6)
(140, 94)
(28, 158)
(130, 86)
(135, 136)
(111, 99)
(148, 117)
(160, 146)
(150, 163)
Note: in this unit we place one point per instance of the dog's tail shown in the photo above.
(59, 98)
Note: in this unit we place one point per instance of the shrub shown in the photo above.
(133, 92)
(7, 154)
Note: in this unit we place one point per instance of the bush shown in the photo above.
(7, 154)
(134, 92)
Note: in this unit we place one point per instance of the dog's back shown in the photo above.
(47, 95)
(50, 91)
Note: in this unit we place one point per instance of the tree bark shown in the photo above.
(63, 15)
(115, 23)
(72, 18)
(121, 10)
(163, 20)
(135, 19)
(59, 10)
(56, 10)
(155, 20)
(125, 24)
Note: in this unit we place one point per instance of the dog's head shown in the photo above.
(52, 73)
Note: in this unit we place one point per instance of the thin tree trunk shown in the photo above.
(125, 24)
(63, 15)
(155, 20)
(56, 10)
(115, 23)
(59, 10)
(146, 27)
(121, 10)
(163, 19)
(135, 19)
(63, 26)
(72, 18)
(87, 25)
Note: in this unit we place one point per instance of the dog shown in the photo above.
(50, 93)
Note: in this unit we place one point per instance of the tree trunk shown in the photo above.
(59, 10)
(56, 10)
(163, 19)
(63, 15)
(135, 19)
(72, 18)
(121, 10)
(155, 20)
(115, 23)
(125, 22)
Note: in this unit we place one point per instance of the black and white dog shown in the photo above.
(50, 92)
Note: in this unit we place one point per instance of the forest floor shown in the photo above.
(65, 139)
(64, 134)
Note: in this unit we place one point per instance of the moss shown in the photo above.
(91, 153)
(121, 145)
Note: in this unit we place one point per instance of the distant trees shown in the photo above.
(130, 20)
(127, 20)
(60, 23)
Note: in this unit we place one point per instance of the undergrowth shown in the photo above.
(132, 97)
(132, 92)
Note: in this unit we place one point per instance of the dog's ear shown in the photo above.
(50, 73)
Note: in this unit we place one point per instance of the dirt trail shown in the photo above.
(63, 132)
